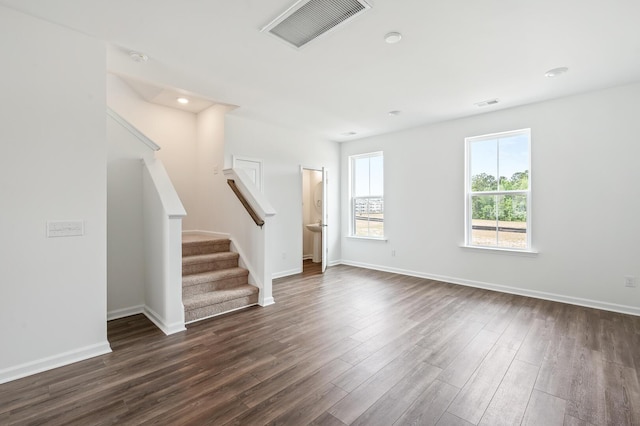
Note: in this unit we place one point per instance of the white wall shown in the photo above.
(125, 252)
(162, 222)
(53, 167)
(585, 207)
(283, 152)
(173, 130)
(211, 186)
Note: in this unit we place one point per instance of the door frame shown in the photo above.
(324, 215)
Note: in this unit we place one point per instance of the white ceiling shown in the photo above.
(453, 54)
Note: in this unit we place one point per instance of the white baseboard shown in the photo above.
(281, 274)
(166, 328)
(268, 301)
(210, 233)
(125, 312)
(605, 306)
(335, 263)
(55, 361)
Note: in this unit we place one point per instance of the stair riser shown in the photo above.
(207, 311)
(195, 248)
(214, 265)
(226, 283)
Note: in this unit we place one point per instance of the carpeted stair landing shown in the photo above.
(212, 281)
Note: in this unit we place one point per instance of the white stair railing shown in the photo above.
(253, 243)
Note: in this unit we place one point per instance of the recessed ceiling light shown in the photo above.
(347, 134)
(182, 100)
(556, 72)
(393, 37)
(138, 56)
(394, 113)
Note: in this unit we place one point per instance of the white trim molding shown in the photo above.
(125, 312)
(554, 297)
(131, 129)
(267, 301)
(282, 274)
(55, 361)
(167, 329)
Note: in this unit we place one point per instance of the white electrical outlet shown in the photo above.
(630, 281)
(393, 253)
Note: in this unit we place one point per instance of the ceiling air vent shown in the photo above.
(307, 20)
(487, 103)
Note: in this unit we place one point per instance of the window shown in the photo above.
(367, 200)
(498, 190)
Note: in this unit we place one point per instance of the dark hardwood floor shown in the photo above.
(359, 347)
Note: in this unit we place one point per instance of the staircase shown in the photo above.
(212, 281)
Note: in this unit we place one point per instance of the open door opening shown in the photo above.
(315, 218)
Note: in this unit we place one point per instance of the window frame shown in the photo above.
(469, 194)
(352, 198)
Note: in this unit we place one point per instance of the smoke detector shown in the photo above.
(306, 20)
(138, 56)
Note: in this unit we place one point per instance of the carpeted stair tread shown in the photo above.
(209, 276)
(204, 246)
(213, 283)
(220, 296)
(209, 257)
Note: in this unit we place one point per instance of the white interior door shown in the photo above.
(325, 221)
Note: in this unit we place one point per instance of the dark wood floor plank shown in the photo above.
(556, 371)
(311, 407)
(586, 399)
(364, 370)
(505, 315)
(474, 398)
(326, 419)
(544, 410)
(621, 388)
(445, 350)
(509, 403)
(289, 398)
(572, 421)
(399, 398)
(364, 396)
(449, 419)
(462, 367)
(361, 344)
(518, 328)
(429, 406)
(536, 342)
(614, 346)
(304, 368)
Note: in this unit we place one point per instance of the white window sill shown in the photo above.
(495, 250)
(353, 237)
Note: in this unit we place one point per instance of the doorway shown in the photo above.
(314, 220)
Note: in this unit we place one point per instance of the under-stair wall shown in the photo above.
(145, 230)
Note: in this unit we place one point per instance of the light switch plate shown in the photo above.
(65, 228)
